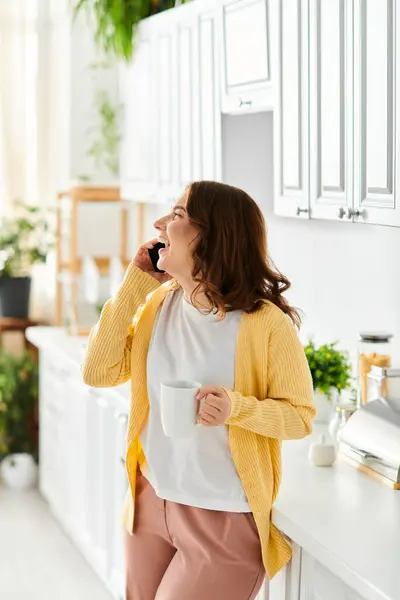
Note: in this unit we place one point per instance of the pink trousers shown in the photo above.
(179, 552)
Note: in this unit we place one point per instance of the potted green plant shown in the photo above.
(116, 21)
(331, 374)
(18, 435)
(24, 241)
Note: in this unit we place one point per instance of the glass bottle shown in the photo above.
(342, 414)
(373, 350)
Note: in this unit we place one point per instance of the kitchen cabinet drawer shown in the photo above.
(246, 56)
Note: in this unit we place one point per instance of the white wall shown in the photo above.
(345, 276)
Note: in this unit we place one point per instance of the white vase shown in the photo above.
(325, 406)
(18, 471)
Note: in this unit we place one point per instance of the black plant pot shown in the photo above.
(14, 297)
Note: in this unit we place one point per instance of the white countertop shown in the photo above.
(56, 339)
(348, 521)
(344, 518)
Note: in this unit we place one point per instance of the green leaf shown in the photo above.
(116, 22)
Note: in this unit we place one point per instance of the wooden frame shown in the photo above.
(71, 268)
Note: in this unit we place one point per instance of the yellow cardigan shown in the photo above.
(272, 398)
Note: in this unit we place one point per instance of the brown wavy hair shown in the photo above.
(231, 263)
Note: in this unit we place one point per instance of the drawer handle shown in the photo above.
(244, 102)
(302, 210)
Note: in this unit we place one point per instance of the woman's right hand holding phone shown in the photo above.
(143, 262)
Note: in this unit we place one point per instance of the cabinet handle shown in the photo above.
(244, 102)
(302, 210)
(341, 212)
(354, 213)
(122, 461)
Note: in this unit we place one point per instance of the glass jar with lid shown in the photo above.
(374, 349)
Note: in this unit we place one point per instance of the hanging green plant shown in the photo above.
(116, 21)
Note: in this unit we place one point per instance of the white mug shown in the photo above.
(179, 408)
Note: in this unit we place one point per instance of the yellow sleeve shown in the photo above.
(107, 361)
(289, 410)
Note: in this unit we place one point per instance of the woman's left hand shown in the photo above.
(216, 408)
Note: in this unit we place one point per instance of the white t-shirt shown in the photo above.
(197, 471)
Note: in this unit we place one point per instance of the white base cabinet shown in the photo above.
(83, 478)
(318, 583)
(81, 471)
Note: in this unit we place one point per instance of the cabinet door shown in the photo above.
(291, 123)
(199, 113)
(318, 583)
(376, 129)
(246, 56)
(166, 112)
(119, 488)
(53, 381)
(96, 506)
(286, 584)
(331, 133)
(188, 127)
(209, 96)
(138, 151)
(73, 449)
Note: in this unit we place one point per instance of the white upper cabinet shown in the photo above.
(190, 83)
(173, 114)
(209, 97)
(246, 56)
(377, 111)
(291, 125)
(138, 152)
(188, 125)
(165, 111)
(329, 71)
(331, 101)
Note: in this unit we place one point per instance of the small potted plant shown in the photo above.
(18, 431)
(331, 374)
(25, 240)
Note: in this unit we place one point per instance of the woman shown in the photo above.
(202, 505)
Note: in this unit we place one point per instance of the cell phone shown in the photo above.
(153, 253)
